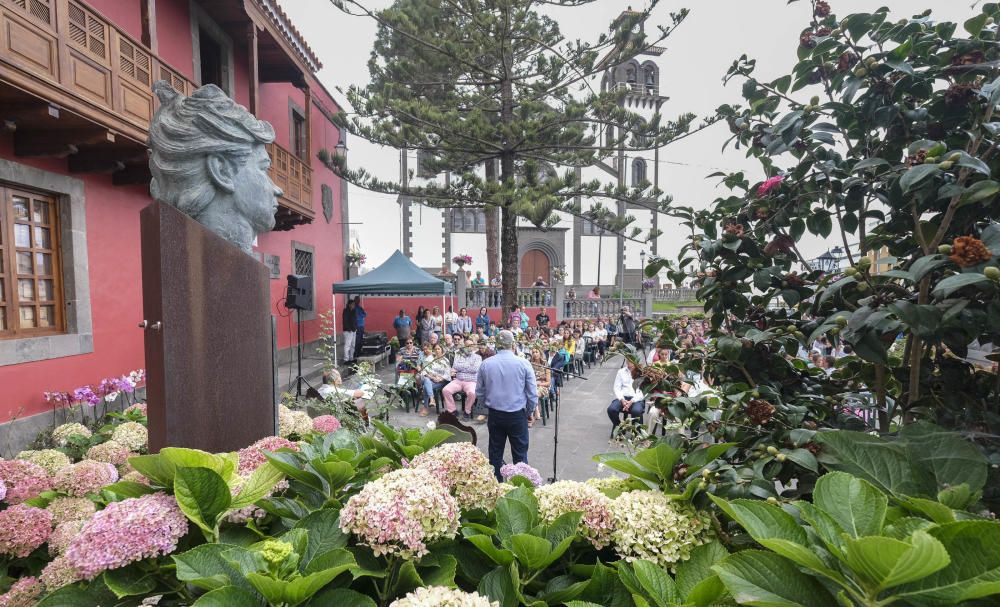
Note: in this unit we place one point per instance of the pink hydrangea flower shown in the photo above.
(508, 471)
(23, 480)
(326, 423)
(401, 512)
(125, 532)
(252, 457)
(23, 528)
(22, 593)
(58, 573)
(85, 477)
(769, 185)
(465, 471)
(110, 452)
(140, 407)
(65, 509)
(3, 490)
(63, 535)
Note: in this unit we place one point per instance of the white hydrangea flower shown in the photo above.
(440, 596)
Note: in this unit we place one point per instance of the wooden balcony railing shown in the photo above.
(294, 177)
(66, 53)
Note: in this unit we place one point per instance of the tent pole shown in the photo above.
(335, 340)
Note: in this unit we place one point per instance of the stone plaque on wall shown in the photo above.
(327, 194)
(273, 263)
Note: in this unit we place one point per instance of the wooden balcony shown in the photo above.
(67, 54)
(294, 177)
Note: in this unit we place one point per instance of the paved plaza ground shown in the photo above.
(584, 427)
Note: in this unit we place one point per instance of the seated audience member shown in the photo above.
(484, 350)
(408, 357)
(543, 380)
(434, 375)
(464, 371)
(333, 387)
(628, 401)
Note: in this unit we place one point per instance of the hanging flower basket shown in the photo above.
(355, 257)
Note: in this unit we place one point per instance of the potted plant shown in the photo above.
(355, 257)
(462, 260)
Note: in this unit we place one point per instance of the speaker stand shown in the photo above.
(299, 380)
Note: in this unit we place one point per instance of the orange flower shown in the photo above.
(968, 251)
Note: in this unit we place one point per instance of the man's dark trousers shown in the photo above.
(504, 425)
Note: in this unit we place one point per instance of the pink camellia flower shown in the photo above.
(23, 593)
(252, 457)
(23, 480)
(125, 532)
(769, 185)
(326, 424)
(85, 477)
(23, 528)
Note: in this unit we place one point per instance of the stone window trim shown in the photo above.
(306, 248)
(296, 111)
(71, 201)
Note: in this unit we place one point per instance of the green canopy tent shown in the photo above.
(398, 275)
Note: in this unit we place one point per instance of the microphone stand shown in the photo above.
(555, 436)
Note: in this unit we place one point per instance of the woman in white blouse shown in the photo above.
(438, 321)
(628, 400)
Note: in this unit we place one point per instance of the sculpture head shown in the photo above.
(209, 161)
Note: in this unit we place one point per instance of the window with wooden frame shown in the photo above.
(31, 300)
(300, 138)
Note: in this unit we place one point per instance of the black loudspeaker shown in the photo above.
(300, 293)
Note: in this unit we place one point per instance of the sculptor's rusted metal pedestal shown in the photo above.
(207, 337)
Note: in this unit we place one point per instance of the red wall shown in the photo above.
(125, 14)
(173, 34)
(115, 297)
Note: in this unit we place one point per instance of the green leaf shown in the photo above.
(857, 506)
(868, 163)
(227, 596)
(498, 585)
(774, 529)
(129, 581)
(561, 589)
(804, 458)
(880, 462)
(323, 530)
(943, 459)
(925, 264)
(80, 595)
(729, 347)
(339, 559)
(513, 517)
(656, 582)
(202, 496)
(194, 458)
(917, 175)
(295, 591)
(258, 486)
(623, 463)
(342, 597)
(981, 190)
(433, 438)
(484, 543)
(936, 511)
(765, 579)
(531, 551)
(661, 459)
(129, 489)
(833, 289)
(209, 567)
(974, 571)
(698, 567)
(886, 562)
(976, 24)
(606, 588)
(959, 281)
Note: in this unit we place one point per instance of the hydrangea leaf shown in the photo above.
(225, 597)
(974, 571)
(202, 496)
(765, 579)
(887, 562)
(261, 482)
(531, 551)
(857, 506)
(323, 530)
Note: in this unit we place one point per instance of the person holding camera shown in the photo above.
(628, 401)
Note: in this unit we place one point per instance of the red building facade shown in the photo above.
(75, 106)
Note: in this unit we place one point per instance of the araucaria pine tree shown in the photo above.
(470, 83)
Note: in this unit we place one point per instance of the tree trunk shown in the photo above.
(508, 220)
(492, 228)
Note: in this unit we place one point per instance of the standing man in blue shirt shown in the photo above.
(359, 316)
(506, 384)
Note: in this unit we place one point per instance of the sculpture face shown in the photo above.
(255, 194)
(209, 160)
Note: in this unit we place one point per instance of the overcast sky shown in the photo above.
(698, 55)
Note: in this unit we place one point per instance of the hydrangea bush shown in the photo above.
(562, 497)
(464, 471)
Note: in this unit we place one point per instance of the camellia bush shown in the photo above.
(883, 141)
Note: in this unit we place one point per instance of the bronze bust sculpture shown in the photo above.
(209, 161)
